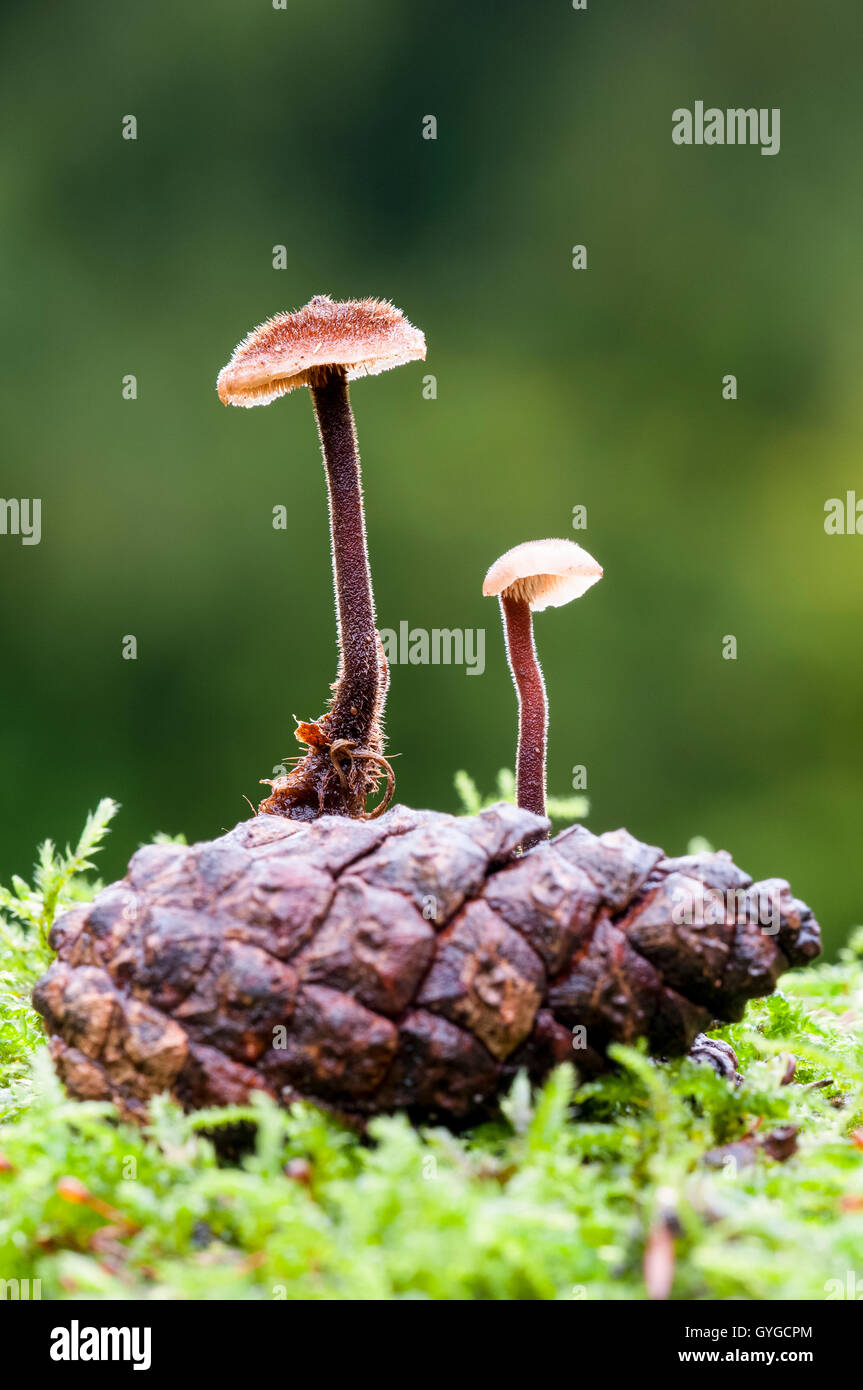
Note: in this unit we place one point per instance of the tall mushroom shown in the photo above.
(323, 346)
(527, 579)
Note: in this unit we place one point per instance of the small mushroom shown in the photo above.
(527, 579)
(324, 346)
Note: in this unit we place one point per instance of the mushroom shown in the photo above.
(323, 346)
(527, 579)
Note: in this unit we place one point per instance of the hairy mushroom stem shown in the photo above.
(345, 758)
(357, 703)
(532, 707)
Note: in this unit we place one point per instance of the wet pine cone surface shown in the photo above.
(413, 962)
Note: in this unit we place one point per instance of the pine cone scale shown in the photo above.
(373, 944)
(486, 979)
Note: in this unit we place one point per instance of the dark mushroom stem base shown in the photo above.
(532, 707)
(345, 760)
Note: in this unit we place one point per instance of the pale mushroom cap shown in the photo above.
(547, 574)
(364, 336)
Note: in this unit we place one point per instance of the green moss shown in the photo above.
(472, 801)
(555, 1201)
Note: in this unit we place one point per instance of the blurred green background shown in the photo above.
(555, 388)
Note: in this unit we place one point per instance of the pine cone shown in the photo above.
(414, 962)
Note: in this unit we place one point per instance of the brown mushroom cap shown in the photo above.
(363, 336)
(547, 574)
